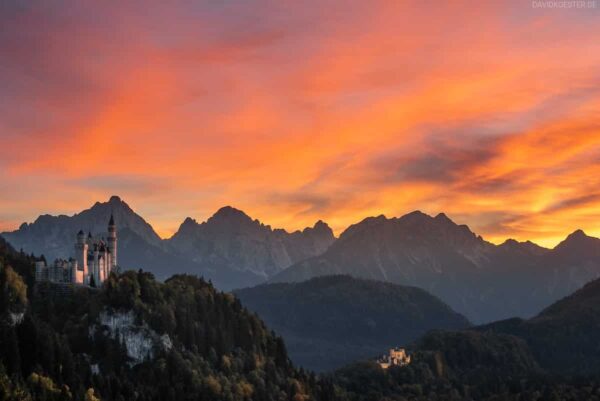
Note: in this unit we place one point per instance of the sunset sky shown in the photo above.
(298, 111)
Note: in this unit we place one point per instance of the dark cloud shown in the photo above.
(573, 203)
(504, 184)
(443, 161)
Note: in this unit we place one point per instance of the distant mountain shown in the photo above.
(230, 248)
(481, 280)
(54, 236)
(327, 322)
(232, 240)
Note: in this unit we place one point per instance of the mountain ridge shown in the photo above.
(54, 237)
(482, 280)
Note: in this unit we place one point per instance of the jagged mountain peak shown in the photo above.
(54, 235)
(189, 221)
(365, 224)
(414, 224)
(319, 227)
(442, 216)
(522, 247)
(114, 202)
(510, 242)
(186, 227)
(230, 212)
(577, 238)
(577, 234)
(230, 218)
(230, 239)
(578, 246)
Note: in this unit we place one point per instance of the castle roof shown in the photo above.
(111, 222)
(80, 232)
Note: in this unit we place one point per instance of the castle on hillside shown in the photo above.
(396, 357)
(94, 259)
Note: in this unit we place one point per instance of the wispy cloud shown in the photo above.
(304, 111)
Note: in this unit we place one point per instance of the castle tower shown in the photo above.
(96, 266)
(112, 243)
(81, 253)
(40, 271)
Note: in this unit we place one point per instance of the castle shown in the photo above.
(94, 259)
(396, 357)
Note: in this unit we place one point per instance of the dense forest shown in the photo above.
(55, 347)
(553, 356)
(564, 336)
(466, 365)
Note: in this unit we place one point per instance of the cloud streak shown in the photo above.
(304, 111)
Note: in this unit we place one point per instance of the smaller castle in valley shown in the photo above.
(94, 259)
(396, 357)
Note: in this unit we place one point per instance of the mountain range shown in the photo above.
(328, 322)
(136, 338)
(231, 240)
(483, 281)
(229, 248)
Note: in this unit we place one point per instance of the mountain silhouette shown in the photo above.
(483, 281)
(230, 248)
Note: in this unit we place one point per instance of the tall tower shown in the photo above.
(81, 253)
(112, 243)
(96, 266)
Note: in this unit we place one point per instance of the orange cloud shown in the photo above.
(298, 112)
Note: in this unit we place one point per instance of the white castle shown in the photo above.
(94, 259)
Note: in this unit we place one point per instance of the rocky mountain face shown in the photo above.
(230, 238)
(481, 280)
(230, 248)
(327, 322)
(54, 236)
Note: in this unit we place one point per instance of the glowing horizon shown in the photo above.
(294, 112)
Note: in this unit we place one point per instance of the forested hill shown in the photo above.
(138, 339)
(553, 356)
(564, 336)
(330, 321)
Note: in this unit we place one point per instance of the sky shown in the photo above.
(299, 111)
